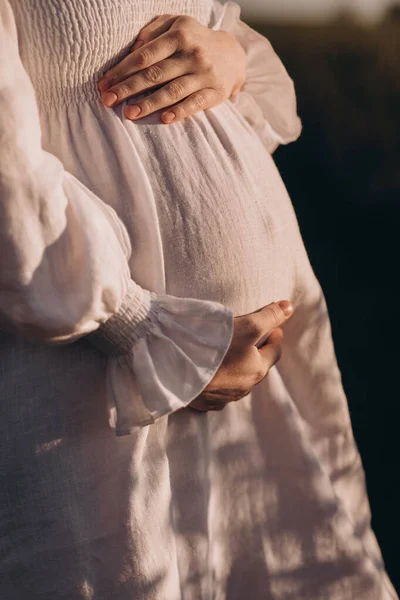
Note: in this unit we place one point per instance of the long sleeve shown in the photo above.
(268, 99)
(64, 271)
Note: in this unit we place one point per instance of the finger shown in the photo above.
(262, 340)
(152, 77)
(269, 317)
(149, 54)
(169, 94)
(205, 406)
(196, 102)
(271, 352)
(155, 28)
(197, 407)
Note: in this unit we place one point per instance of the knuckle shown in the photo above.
(200, 56)
(185, 20)
(153, 74)
(258, 374)
(198, 101)
(252, 327)
(144, 57)
(182, 37)
(174, 90)
(147, 106)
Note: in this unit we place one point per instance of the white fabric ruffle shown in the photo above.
(180, 339)
(267, 100)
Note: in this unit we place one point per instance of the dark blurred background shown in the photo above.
(344, 179)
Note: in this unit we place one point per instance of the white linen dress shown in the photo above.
(126, 248)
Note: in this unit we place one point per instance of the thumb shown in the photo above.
(268, 318)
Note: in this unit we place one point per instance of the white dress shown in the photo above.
(126, 248)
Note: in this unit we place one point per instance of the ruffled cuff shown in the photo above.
(163, 352)
(267, 100)
(134, 319)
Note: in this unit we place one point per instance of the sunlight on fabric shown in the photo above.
(47, 446)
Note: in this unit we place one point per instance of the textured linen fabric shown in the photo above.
(142, 240)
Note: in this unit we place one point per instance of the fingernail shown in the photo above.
(169, 116)
(132, 111)
(109, 98)
(287, 307)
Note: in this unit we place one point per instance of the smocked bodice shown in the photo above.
(66, 45)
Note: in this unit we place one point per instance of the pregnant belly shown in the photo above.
(228, 228)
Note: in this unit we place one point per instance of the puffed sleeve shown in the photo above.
(64, 271)
(268, 99)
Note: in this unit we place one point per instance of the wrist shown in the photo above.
(239, 59)
(134, 320)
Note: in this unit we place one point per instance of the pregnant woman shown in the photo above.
(150, 447)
